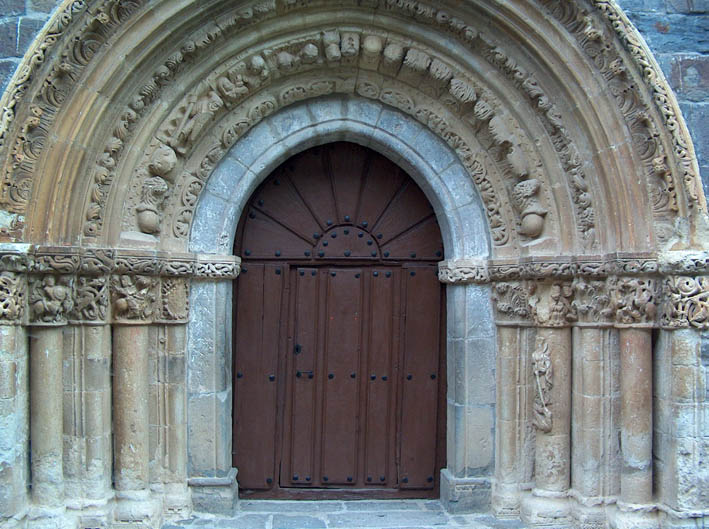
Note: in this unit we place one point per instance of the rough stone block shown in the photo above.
(406, 129)
(286, 123)
(13, 7)
(251, 146)
(8, 37)
(362, 110)
(689, 77)
(225, 177)
(28, 28)
(687, 6)
(42, 6)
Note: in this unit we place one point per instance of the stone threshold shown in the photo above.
(349, 514)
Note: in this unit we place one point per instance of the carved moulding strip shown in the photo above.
(166, 73)
(49, 286)
(662, 95)
(615, 290)
(562, 267)
(245, 90)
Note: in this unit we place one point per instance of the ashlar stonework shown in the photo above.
(562, 177)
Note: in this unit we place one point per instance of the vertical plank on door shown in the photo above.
(259, 295)
(299, 433)
(380, 382)
(419, 378)
(341, 399)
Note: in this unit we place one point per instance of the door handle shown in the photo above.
(301, 373)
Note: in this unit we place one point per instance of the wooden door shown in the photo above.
(338, 357)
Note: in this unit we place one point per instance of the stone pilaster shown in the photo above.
(14, 401)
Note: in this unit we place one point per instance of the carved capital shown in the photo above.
(592, 301)
(175, 299)
(552, 304)
(13, 287)
(634, 300)
(685, 303)
(134, 298)
(91, 296)
(50, 299)
(511, 301)
(463, 271)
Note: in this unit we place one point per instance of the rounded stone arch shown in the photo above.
(552, 113)
(386, 130)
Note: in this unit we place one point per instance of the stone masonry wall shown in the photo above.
(676, 30)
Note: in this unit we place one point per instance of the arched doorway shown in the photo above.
(339, 352)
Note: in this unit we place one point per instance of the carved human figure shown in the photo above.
(200, 111)
(541, 366)
(50, 299)
(133, 297)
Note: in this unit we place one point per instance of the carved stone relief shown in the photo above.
(686, 302)
(634, 300)
(12, 297)
(543, 381)
(50, 299)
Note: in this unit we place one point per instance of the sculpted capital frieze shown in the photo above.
(685, 302)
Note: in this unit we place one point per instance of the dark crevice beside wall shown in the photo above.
(677, 31)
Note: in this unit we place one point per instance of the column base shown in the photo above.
(505, 500)
(626, 517)
(215, 495)
(670, 521)
(50, 518)
(97, 515)
(589, 517)
(464, 495)
(137, 509)
(547, 511)
(177, 501)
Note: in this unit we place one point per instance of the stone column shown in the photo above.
(133, 304)
(50, 302)
(636, 303)
(14, 400)
(87, 403)
(595, 421)
(513, 457)
(551, 366)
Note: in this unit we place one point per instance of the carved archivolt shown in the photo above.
(514, 172)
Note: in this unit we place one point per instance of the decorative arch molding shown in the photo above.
(552, 179)
(542, 132)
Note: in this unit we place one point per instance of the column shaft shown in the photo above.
(46, 429)
(130, 414)
(636, 415)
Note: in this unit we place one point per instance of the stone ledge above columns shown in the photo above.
(668, 291)
(49, 286)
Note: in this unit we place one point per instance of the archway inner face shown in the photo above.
(339, 332)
